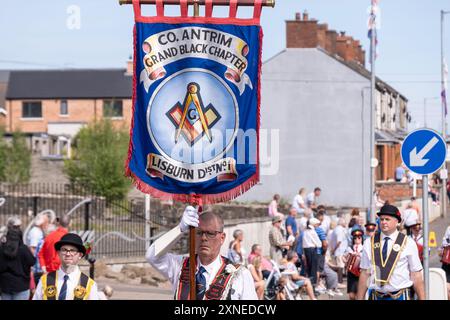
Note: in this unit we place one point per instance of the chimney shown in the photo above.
(305, 16)
(302, 33)
(298, 16)
(129, 71)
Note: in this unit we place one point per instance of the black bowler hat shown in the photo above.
(370, 226)
(390, 210)
(73, 240)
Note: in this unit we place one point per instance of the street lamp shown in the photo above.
(444, 127)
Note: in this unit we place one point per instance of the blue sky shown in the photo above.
(34, 34)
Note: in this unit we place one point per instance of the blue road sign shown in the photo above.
(424, 151)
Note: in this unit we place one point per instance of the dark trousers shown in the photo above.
(311, 263)
(300, 264)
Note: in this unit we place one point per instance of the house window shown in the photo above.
(63, 108)
(32, 109)
(112, 109)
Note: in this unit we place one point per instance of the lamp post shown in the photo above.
(444, 127)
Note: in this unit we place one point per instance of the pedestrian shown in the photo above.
(266, 266)
(48, 257)
(277, 241)
(312, 199)
(273, 207)
(212, 270)
(338, 245)
(300, 281)
(16, 261)
(67, 282)
(353, 260)
(390, 261)
(235, 250)
(400, 174)
(35, 240)
(256, 271)
(311, 243)
(444, 253)
(299, 202)
(324, 219)
(409, 214)
(291, 225)
(321, 251)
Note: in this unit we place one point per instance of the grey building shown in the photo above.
(317, 94)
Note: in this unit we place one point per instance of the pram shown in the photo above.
(273, 287)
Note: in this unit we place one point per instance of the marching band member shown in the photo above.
(391, 261)
(68, 282)
(353, 259)
(444, 253)
(371, 229)
(216, 277)
(413, 227)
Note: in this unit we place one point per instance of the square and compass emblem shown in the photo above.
(191, 119)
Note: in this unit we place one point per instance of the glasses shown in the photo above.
(209, 234)
(69, 251)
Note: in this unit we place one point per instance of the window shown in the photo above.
(112, 109)
(63, 108)
(32, 109)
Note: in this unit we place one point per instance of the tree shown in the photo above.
(17, 164)
(98, 161)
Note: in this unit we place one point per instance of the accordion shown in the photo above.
(353, 264)
(446, 255)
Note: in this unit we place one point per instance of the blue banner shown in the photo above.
(196, 99)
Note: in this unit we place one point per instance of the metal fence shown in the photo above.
(116, 228)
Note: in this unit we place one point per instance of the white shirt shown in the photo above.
(446, 238)
(325, 225)
(170, 266)
(339, 235)
(310, 199)
(298, 199)
(311, 239)
(34, 236)
(409, 216)
(408, 262)
(72, 282)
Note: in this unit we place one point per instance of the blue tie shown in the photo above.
(201, 283)
(62, 294)
(385, 248)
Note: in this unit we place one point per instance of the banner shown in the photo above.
(196, 100)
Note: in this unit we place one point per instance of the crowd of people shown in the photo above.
(43, 265)
(315, 252)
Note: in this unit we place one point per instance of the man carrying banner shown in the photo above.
(216, 277)
(391, 261)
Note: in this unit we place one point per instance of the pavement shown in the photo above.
(137, 291)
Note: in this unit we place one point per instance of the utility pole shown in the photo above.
(444, 127)
(372, 114)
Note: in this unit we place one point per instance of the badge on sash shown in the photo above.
(50, 291)
(396, 247)
(79, 292)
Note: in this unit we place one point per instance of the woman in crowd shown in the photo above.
(256, 271)
(16, 261)
(235, 249)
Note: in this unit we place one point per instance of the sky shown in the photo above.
(46, 34)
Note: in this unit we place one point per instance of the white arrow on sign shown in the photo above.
(416, 159)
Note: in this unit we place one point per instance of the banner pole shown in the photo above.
(192, 262)
(242, 3)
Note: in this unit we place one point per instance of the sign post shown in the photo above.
(423, 152)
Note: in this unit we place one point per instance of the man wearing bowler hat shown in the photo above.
(390, 261)
(68, 282)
